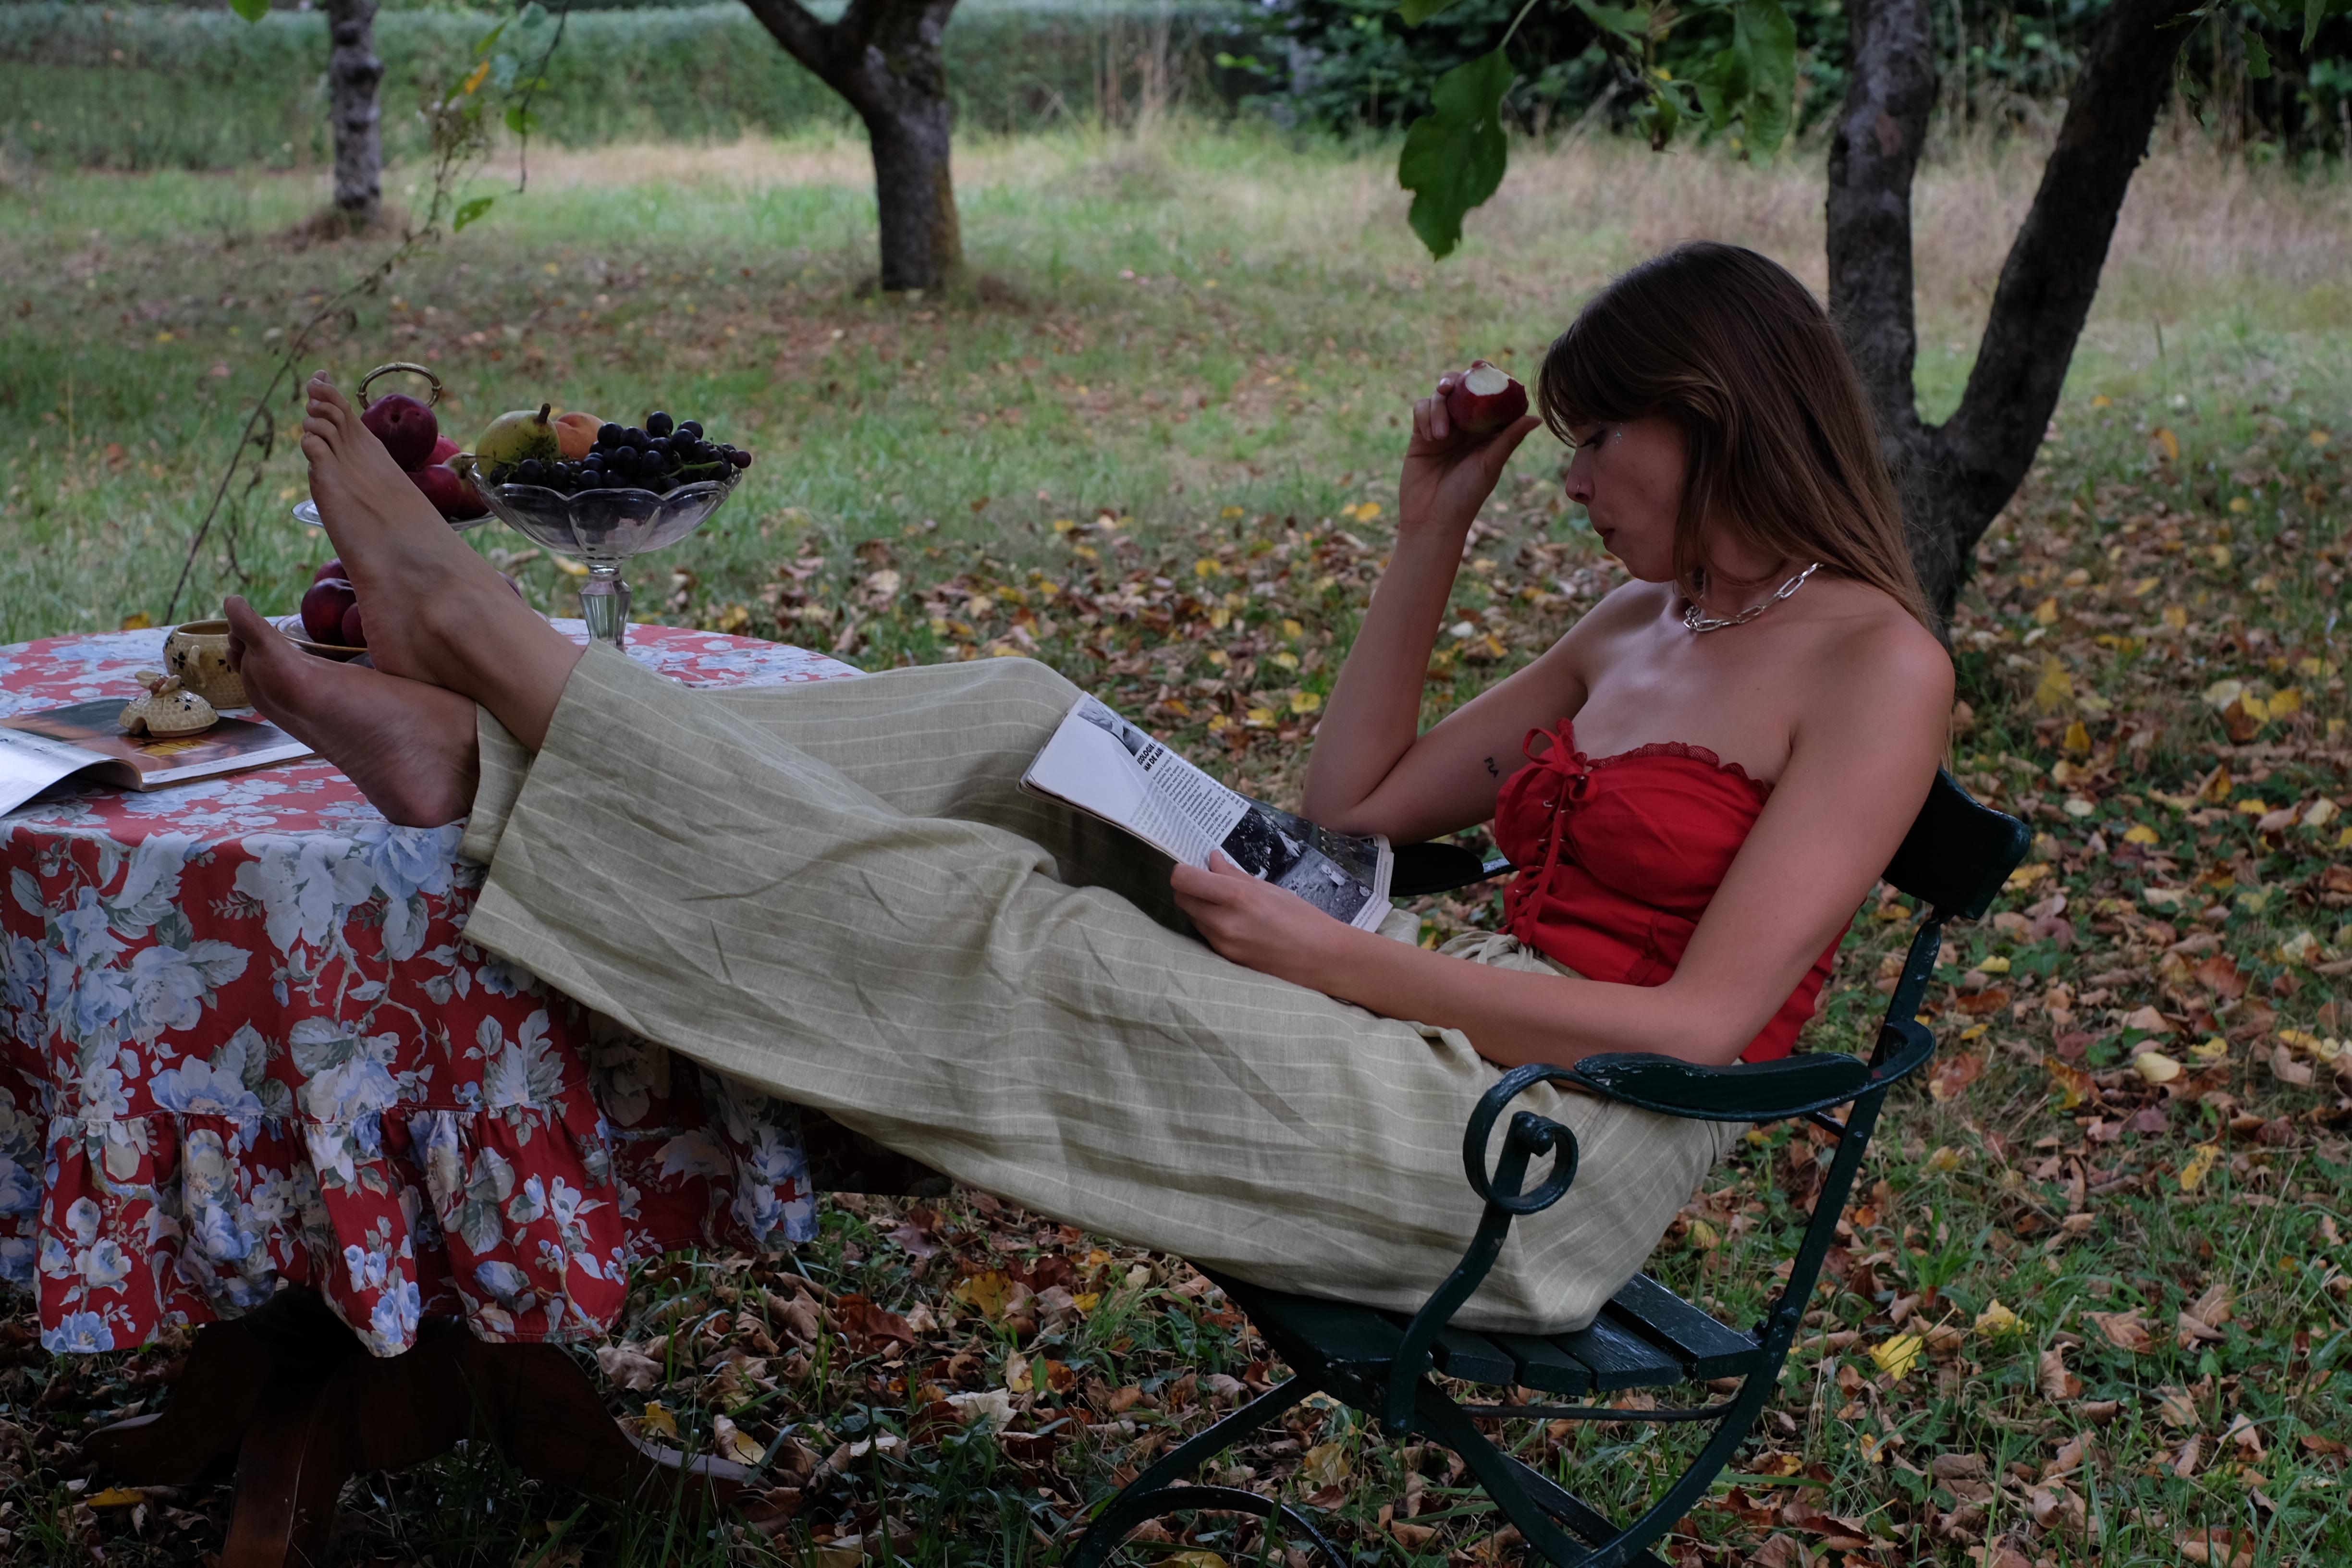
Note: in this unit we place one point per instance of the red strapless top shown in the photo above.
(1619, 856)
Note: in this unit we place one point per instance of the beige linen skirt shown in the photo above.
(837, 891)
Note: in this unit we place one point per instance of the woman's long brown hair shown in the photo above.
(1740, 355)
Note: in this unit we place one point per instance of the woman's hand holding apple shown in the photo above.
(1448, 471)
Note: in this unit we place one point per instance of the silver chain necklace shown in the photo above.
(1698, 623)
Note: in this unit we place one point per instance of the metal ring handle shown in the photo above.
(369, 379)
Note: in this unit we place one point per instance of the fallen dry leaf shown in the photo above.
(1897, 1356)
(1325, 1465)
(2220, 975)
(871, 1327)
(628, 1365)
(2124, 1330)
(729, 1441)
(2194, 1330)
(2053, 1378)
(985, 1293)
(2073, 1085)
(2058, 1509)
(2218, 1548)
(1955, 1072)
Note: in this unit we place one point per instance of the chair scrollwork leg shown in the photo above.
(1147, 1496)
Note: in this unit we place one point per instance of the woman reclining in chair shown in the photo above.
(838, 892)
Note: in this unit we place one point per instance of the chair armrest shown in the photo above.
(1438, 867)
(1753, 1091)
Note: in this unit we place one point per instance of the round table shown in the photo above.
(244, 1041)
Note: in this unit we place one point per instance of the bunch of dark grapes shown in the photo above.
(659, 458)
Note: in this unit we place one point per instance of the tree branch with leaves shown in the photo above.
(1956, 476)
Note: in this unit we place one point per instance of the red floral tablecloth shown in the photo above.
(243, 1040)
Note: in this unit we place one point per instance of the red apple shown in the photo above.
(323, 607)
(1486, 400)
(332, 569)
(353, 634)
(444, 450)
(406, 427)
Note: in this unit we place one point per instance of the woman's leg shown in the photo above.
(926, 980)
(724, 892)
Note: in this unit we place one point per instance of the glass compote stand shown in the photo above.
(602, 528)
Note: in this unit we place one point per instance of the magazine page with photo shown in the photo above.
(1104, 766)
(85, 740)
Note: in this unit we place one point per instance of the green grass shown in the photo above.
(1216, 466)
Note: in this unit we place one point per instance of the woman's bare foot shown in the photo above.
(436, 611)
(408, 745)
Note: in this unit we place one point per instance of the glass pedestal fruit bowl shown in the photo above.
(305, 511)
(602, 528)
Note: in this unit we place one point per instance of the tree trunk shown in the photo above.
(883, 57)
(353, 73)
(1956, 476)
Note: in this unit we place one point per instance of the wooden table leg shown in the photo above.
(296, 1395)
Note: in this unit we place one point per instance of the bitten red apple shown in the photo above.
(406, 427)
(323, 607)
(1486, 399)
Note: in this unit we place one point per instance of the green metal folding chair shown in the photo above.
(1953, 860)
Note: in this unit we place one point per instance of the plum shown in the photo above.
(323, 607)
(353, 634)
(449, 493)
(333, 568)
(406, 427)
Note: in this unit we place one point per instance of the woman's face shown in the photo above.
(1628, 475)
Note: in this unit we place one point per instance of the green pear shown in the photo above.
(511, 438)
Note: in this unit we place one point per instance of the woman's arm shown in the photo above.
(1868, 740)
(1373, 717)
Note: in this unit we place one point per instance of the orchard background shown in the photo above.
(2092, 1305)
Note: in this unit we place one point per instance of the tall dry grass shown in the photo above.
(2199, 224)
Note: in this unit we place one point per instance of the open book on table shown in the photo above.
(1106, 767)
(85, 741)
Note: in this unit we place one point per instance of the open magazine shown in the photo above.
(85, 740)
(1106, 767)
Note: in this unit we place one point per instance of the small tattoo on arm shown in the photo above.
(1492, 771)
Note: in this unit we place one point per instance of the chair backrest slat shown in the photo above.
(1958, 853)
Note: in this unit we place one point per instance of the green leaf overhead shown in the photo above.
(1415, 12)
(255, 10)
(1767, 39)
(1454, 156)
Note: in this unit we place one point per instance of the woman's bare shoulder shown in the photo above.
(1629, 606)
(1873, 646)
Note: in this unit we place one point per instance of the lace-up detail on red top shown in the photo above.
(1619, 856)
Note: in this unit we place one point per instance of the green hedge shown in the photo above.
(164, 88)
